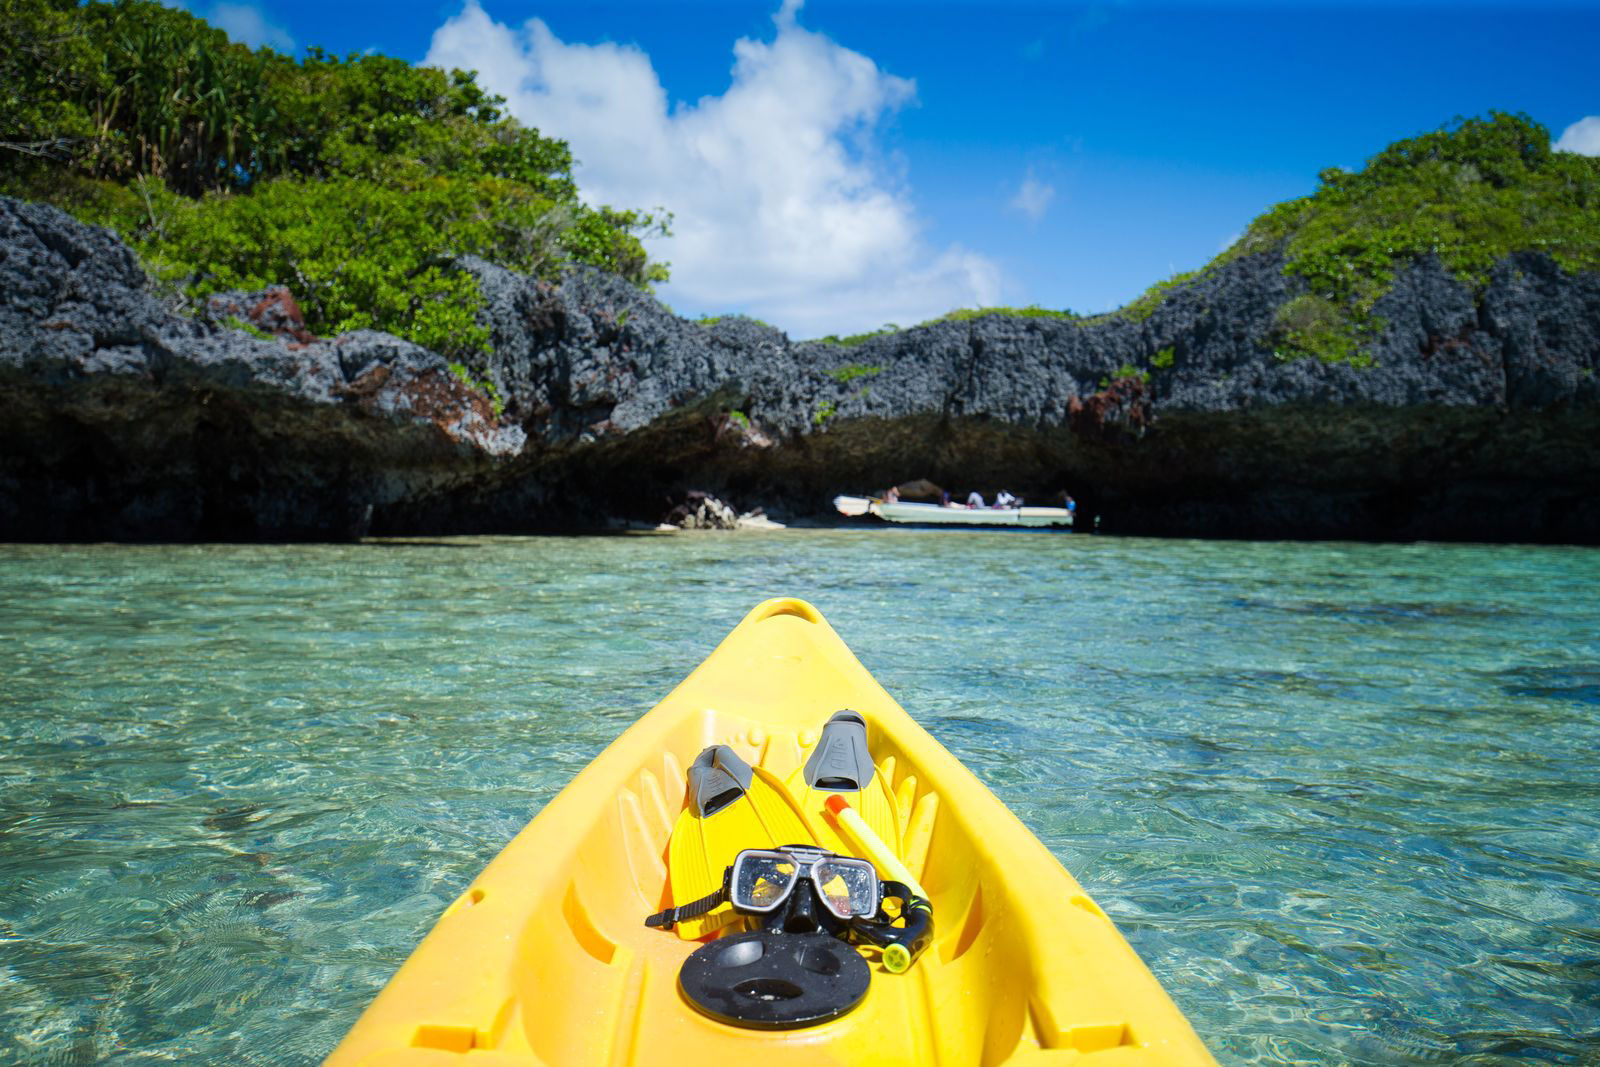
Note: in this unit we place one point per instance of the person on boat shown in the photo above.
(892, 495)
(975, 499)
(1004, 499)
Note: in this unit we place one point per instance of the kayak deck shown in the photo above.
(545, 958)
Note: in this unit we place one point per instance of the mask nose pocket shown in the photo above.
(801, 917)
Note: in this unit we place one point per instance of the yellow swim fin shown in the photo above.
(731, 806)
(841, 763)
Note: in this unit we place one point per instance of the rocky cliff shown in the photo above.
(123, 417)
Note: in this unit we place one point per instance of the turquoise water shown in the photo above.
(1343, 799)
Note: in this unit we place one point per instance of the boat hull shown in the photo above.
(951, 515)
(545, 958)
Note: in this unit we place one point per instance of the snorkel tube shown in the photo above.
(871, 845)
(901, 944)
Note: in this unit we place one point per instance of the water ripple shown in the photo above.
(1342, 798)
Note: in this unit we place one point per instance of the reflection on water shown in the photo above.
(1343, 799)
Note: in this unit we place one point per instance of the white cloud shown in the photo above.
(1033, 197)
(783, 207)
(246, 24)
(1582, 137)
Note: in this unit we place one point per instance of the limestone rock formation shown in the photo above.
(702, 511)
(123, 417)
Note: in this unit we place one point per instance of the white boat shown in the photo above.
(951, 514)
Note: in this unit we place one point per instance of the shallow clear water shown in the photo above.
(1343, 799)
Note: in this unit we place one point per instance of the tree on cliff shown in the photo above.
(355, 181)
(45, 70)
(1469, 194)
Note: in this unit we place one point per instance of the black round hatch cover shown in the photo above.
(770, 980)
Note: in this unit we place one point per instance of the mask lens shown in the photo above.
(847, 887)
(762, 880)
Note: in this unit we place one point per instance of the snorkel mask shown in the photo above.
(763, 882)
(799, 889)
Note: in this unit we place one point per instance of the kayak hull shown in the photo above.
(545, 958)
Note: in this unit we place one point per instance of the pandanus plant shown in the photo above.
(186, 108)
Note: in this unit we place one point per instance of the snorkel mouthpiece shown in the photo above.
(897, 959)
(903, 943)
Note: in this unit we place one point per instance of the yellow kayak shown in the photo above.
(546, 959)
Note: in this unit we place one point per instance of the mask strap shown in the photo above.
(695, 908)
(692, 910)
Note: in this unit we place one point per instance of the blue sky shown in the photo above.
(840, 165)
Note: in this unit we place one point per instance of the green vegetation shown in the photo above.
(1032, 311)
(850, 340)
(853, 339)
(1469, 195)
(1145, 305)
(45, 68)
(1311, 324)
(712, 320)
(1127, 370)
(739, 419)
(234, 322)
(358, 181)
(850, 372)
(825, 411)
(465, 376)
(958, 315)
(355, 181)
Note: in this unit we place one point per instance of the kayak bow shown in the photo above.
(546, 959)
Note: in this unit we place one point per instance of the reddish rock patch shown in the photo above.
(365, 384)
(442, 399)
(277, 313)
(1121, 409)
